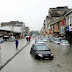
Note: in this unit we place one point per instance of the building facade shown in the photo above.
(15, 28)
(54, 21)
(69, 26)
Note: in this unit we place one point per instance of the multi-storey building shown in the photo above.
(53, 20)
(12, 23)
(15, 28)
(27, 31)
(68, 17)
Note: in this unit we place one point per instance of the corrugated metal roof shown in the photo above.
(14, 29)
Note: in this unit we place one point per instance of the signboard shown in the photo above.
(62, 30)
(52, 29)
(67, 28)
(63, 22)
(56, 29)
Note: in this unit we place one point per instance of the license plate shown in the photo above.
(46, 58)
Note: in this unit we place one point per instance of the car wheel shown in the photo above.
(51, 58)
(30, 52)
(35, 57)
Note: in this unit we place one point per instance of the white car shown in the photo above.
(45, 39)
(39, 41)
(57, 41)
(12, 38)
(64, 43)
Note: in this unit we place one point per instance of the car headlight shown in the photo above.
(40, 55)
(51, 54)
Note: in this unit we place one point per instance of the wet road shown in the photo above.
(8, 49)
(24, 62)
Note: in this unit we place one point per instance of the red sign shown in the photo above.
(63, 22)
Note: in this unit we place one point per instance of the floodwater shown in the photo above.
(24, 62)
(63, 57)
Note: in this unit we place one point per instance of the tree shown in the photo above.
(34, 32)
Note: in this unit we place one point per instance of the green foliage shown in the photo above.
(34, 32)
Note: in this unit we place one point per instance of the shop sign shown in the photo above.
(67, 28)
(62, 30)
(56, 29)
(63, 22)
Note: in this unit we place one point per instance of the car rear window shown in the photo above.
(42, 47)
(65, 42)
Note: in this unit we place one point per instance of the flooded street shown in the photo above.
(63, 57)
(25, 62)
(26, 26)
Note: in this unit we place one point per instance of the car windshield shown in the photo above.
(58, 40)
(39, 40)
(65, 42)
(44, 38)
(42, 47)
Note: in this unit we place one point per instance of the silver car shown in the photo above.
(45, 39)
(56, 41)
(12, 38)
(39, 41)
(64, 43)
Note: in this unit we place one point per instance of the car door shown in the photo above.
(33, 50)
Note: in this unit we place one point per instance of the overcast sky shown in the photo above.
(31, 12)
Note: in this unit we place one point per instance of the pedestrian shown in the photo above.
(29, 38)
(17, 43)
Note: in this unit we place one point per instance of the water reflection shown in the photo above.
(66, 49)
(59, 49)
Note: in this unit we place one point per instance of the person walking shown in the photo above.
(29, 38)
(17, 43)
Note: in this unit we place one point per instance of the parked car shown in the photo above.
(39, 41)
(50, 39)
(56, 41)
(62, 38)
(45, 39)
(12, 38)
(41, 51)
(64, 43)
(5, 37)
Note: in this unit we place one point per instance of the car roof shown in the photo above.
(64, 40)
(39, 40)
(39, 44)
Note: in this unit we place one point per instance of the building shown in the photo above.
(15, 28)
(53, 22)
(12, 23)
(27, 31)
(68, 17)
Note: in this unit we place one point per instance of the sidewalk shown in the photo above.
(8, 49)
